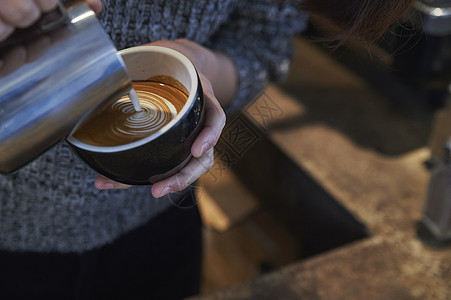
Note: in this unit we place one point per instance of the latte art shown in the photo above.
(155, 112)
(120, 123)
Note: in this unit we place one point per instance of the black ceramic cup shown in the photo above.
(166, 151)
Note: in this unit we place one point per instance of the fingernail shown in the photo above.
(204, 148)
(166, 191)
(108, 186)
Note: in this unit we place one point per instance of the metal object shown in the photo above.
(434, 16)
(421, 48)
(52, 75)
(435, 225)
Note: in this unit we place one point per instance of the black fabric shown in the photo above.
(160, 260)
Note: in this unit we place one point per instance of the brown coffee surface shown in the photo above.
(120, 123)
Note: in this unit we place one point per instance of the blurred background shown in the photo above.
(325, 176)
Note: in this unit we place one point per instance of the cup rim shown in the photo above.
(189, 102)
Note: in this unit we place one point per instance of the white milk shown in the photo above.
(135, 99)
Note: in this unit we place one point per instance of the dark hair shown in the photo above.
(362, 19)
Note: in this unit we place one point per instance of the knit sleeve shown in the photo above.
(258, 39)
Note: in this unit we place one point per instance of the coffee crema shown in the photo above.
(120, 123)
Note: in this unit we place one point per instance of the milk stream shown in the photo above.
(135, 100)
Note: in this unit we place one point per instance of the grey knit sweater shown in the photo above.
(51, 205)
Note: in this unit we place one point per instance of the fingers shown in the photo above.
(19, 13)
(46, 5)
(103, 183)
(202, 148)
(196, 167)
(96, 5)
(214, 122)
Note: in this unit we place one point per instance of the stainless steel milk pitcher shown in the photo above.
(52, 75)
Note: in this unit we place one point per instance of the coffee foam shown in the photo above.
(120, 123)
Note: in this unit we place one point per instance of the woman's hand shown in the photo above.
(23, 13)
(203, 147)
(202, 151)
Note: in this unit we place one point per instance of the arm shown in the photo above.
(252, 48)
(258, 39)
